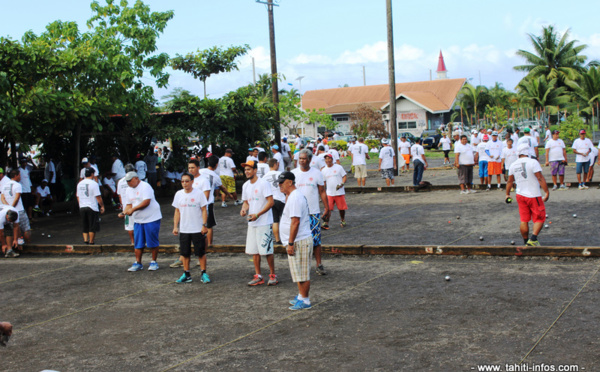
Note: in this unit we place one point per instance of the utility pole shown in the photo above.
(392, 80)
(274, 77)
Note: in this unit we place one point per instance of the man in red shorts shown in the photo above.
(335, 177)
(527, 173)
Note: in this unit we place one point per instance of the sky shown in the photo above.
(329, 41)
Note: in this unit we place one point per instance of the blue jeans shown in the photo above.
(418, 173)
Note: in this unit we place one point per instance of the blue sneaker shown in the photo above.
(293, 302)
(205, 278)
(184, 279)
(300, 305)
(136, 267)
(153, 266)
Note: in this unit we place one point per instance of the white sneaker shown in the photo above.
(499, 187)
(238, 202)
(464, 191)
(472, 191)
(223, 205)
(581, 187)
(585, 187)
(554, 188)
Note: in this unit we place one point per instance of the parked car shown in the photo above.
(409, 137)
(432, 142)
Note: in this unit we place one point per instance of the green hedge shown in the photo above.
(340, 145)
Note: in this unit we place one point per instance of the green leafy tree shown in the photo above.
(586, 93)
(205, 63)
(554, 56)
(367, 121)
(497, 115)
(473, 101)
(543, 94)
(569, 129)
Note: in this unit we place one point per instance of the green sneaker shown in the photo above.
(533, 243)
(177, 263)
(184, 279)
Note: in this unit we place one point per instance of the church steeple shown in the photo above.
(441, 70)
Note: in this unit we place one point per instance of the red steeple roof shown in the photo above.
(441, 64)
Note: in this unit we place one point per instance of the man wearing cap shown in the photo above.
(309, 182)
(527, 173)
(556, 157)
(117, 168)
(43, 196)
(475, 140)
(464, 160)
(85, 164)
(122, 192)
(446, 147)
(404, 151)
(9, 229)
(258, 201)
(335, 179)
(252, 154)
(11, 195)
(509, 156)
(277, 155)
(142, 205)
(582, 147)
(296, 236)
(531, 142)
(190, 223)
(417, 153)
(494, 152)
(91, 205)
(140, 167)
(226, 170)
(387, 164)
(360, 154)
(483, 163)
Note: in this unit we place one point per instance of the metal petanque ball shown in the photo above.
(481, 238)
(512, 242)
(447, 278)
(49, 235)
(508, 200)
(458, 217)
(574, 216)
(546, 226)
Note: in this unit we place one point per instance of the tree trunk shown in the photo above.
(77, 151)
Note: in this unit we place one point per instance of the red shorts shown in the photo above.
(531, 209)
(339, 200)
(494, 168)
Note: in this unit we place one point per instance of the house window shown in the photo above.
(407, 125)
(341, 118)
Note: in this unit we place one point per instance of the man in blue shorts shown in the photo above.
(144, 208)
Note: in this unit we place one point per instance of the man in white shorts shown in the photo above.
(258, 201)
(296, 235)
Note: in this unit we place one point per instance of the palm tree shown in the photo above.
(587, 92)
(473, 101)
(541, 93)
(554, 57)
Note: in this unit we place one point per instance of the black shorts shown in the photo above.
(446, 152)
(90, 220)
(185, 244)
(8, 230)
(277, 210)
(211, 222)
(27, 199)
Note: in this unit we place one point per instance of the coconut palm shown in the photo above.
(554, 57)
(541, 93)
(586, 93)
(473, 101)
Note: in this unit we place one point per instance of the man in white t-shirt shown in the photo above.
(556, 157)
(190, 223)
(334, 153)
(142, 205)
(122, 192)
(527, 173)
(548, 135)
(299, 141)
(227, 171)
(278, 197)
(310, 182)
(515, 137)
(387, 162)
(464, 160)
(50, 174)
(446, 147)
(214, 182)
(258, 201)
(141, 167)
(494, 152)
(286, 151)
(296, 235)
(117, 168)
(360, 154)
(483, 163)
(9, 230)
(531, 142)
(404, 151)
(318, 160)
(417, 153)
(509, 156)
(582, 147)
(91, 205)
(11, 195)
(277, 155)
(335, 178)
(43, 197)
(475, 138)
(25, 167)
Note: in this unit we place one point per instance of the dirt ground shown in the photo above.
(370, 313)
